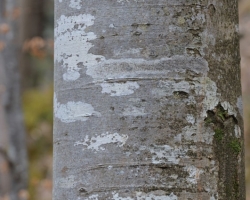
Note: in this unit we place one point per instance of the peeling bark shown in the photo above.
(147, 97)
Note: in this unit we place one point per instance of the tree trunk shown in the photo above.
(13, 158)
(32, 26)
(147, 100)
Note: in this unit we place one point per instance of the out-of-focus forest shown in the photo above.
(36, 66)
(244, 18)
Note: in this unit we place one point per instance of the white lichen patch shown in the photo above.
(98, 143)
(119, 89)
(182, 86)
(190, 118)
(121, 1)
(240, 105)
(166, 154)
(229, 108)
(73, 43)
(66, 183)
(168, 87)
(128, 1)
(134, 111)
(192, 133)
(174, 176)
(110, 167)
(140, 68)
(156, 195)
(178, 138)
(206, 87)
(203, 87)
(194, 174)
(129, 52)
(73, 111)
(200, 16)
(237, 131)
(75, 4)
(92, 197)
(111, 26)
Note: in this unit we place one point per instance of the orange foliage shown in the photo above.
(4, 28)
(13, 14)
(37, 46)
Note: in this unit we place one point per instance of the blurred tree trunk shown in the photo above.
(13, 158)
(32, 26)
(147, 100)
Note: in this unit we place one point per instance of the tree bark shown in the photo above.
(13, 158)
(147, 100)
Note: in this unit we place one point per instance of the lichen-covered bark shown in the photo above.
(13, 158)
(147, 100)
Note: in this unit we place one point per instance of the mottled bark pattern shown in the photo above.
(13, 158)
(147, 100)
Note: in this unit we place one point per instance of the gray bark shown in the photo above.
(13, 158)
(147, 100)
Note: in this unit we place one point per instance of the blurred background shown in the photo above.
(36, 64)
(244, 21)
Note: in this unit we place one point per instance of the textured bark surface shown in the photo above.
(147, 100)
(13, 158)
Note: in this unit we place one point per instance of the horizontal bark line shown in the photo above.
(145, 187)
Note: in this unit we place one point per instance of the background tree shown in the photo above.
(147, 100)
(34, 34)
(13, 158)
(36, 65)
(244, 17)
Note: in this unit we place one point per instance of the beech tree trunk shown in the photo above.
(147, 100)
(13, 157)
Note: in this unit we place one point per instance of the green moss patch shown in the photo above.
(235, 146)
